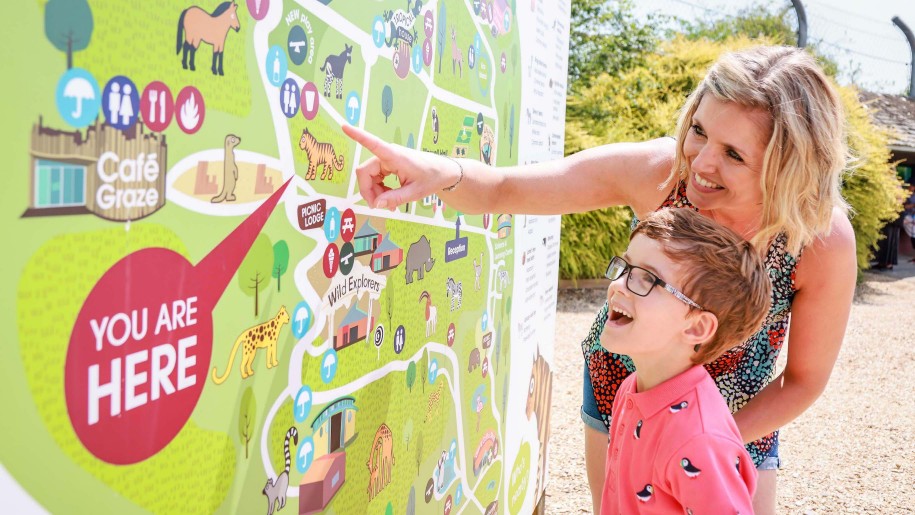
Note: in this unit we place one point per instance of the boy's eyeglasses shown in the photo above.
(641, 281)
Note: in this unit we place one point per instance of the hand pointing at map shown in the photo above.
(420, 173)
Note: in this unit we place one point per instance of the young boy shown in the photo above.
(686, 290)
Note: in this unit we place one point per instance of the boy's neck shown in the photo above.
(652, 372)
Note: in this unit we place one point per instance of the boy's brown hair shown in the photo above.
(721, 272)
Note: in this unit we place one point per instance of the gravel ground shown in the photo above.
(869, 405)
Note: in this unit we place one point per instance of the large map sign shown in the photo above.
(203, 314)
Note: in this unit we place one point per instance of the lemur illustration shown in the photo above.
(229, 170)
(276, 490)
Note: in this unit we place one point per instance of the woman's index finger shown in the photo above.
(368, 140)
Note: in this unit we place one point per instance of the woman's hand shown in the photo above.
(420, 173)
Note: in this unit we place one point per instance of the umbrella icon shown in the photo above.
(79, 89)
(301, 318)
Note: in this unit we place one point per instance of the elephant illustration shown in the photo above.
(474, 360)
(419, 257)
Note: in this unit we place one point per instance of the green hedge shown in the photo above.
(642, 103)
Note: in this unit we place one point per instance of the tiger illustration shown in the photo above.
(320, 154)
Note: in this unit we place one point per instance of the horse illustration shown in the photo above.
(199, 26)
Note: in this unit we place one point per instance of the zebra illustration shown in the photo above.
(334, 66)
(455, 291)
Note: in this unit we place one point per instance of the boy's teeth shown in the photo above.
(622, 312)
(707, 184)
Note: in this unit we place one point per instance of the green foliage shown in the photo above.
(246, 416)
(387, 102)
(755, 22)
(871, 186)
(606, 37)
(255, 271)
(280, 261)
(68, 25)
(590, 239)
(411, 375)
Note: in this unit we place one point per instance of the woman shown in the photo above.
(760, 148)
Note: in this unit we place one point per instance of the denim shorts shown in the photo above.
(593, 419)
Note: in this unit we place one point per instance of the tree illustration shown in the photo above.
(68, 25)
(387, 102)
(424, 370)
(419, 451)
(398, 136)
(411, 375)
(411, 141)
(511, 130)
(411, 501)
(256, 270)
(389, 302)
(246, 415)
(280, 261)
(408, 432)
(442, 34)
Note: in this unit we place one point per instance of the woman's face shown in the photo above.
(725, 147)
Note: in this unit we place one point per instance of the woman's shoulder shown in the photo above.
(831, 253)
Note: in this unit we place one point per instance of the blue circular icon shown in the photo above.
(417, 58)
(328, 366)
(476, 7)
(305, 454)
(485, 322)
(400, 339)
(276, 66)
(378, 32)
(121, 102)
(301, 319)
(289, 98)
(458, 494)
(433, 371)
(483, 75)
(302, 404)
(353, 107)
(477, 42)
(297, 45)
(506, 21)
(78, 98)
(332, 224)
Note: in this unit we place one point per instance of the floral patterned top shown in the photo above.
(741, 372)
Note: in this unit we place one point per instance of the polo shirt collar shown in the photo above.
(669, 392)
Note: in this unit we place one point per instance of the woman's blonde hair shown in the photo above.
(806, 153)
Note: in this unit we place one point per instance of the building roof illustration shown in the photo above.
(387, 245)
(352, 316)
(366, 230)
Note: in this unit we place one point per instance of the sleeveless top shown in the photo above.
(741, 372)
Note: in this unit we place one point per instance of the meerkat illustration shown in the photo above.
(229, 170)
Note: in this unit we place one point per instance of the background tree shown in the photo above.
(411, 375)
(280, 261)
(411, 141)
(256, 270)
(442, 36)
(408, 433)
(423, 369)
(411, 501)
(387, 102)
(68, 24)
(246, 417)
(419, 451)
(389, 302)
(398, 136)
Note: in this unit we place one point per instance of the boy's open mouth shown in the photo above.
(619, 316)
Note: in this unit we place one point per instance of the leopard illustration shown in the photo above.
(320, 154)
(261, 336)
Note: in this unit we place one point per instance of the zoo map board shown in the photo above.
(202, 313)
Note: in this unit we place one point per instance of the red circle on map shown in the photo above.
(331, 260)
(348, 225)
(157, 106)
(310, 101)
(258, 8)
(189, 110)
(133, 373)
(486, 218)
(450, 335)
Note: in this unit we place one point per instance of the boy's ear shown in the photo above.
(701, 328)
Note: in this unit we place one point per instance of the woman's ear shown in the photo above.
(701, 328)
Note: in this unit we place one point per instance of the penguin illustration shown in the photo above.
(677, 407)
(645, 494)
(688, 467)
(434, 125)
(638, 430)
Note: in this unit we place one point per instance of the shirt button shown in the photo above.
(629, 403)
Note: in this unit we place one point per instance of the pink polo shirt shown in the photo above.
(675, 448)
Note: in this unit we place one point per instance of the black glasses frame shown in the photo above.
(618, 267)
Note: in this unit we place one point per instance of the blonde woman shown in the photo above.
(760, 148)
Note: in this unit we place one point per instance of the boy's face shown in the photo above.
(651, 326)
